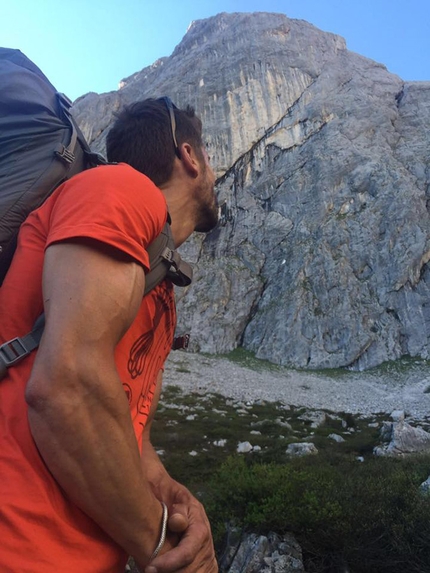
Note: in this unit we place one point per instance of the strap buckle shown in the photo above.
(13, 351)
(171, 257)
(65, 154)
(181, 342)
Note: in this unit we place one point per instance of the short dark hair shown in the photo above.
(142, 137)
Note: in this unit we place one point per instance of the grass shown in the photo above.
(269, 426)
(400, 366)
(248, 360)
(366, 514)
(393, 370)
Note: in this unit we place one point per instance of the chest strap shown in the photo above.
(15, 350)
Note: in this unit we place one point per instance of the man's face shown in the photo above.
(208, 213)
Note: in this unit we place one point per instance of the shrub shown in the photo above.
(369, 516)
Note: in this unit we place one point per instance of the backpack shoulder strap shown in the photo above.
(165, 262)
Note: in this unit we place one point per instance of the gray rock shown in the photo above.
(260, 554)
(317, 419)
(401, 439)
(322, 156)
(252, 553)
(283, 424)
(244, 448)
(302, 449)
(397, 415)
(425, 487)
(336, 438)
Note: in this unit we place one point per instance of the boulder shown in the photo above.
(254, 553)
(244, 447)
(425, 487)
(400, 438)
(336, 438)
(301, 449)
(397, 415)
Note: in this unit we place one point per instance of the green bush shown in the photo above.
(370, 516)
(348, 516)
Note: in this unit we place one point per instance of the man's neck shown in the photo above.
(179, 209)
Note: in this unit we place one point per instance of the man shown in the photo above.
(81, 486)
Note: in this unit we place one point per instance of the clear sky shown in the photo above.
(90, 45)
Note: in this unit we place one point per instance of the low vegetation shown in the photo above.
(349, 510)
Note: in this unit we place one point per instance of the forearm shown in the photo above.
(154, 470)
(88, 444)
(161, 482)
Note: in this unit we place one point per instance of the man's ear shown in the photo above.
(189, 160)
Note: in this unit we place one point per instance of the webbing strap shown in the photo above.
(67, 153)
(166, 262)
(15, 350)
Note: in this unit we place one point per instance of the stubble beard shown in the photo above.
(208, 216)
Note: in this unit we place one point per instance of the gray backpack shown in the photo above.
(41, 146)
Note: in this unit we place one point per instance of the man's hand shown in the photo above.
(194, 552)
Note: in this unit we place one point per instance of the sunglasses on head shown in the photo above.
(170, 108)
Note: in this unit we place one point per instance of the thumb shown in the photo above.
(177, 522)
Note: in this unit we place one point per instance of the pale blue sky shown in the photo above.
(90, 45)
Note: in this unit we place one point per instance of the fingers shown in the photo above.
(193, 554)
(176, 559)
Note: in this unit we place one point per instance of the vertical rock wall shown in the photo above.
(322, 156)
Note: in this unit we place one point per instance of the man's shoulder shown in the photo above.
(120, 173)
(113, 184)
(112, 199)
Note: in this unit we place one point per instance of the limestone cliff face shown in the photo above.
(323, 156)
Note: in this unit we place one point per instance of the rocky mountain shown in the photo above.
(323, 158)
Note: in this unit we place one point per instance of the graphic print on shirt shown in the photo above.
(150, 350)
(140, 350)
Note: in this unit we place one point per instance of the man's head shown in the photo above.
(144, 137)
(149, 134)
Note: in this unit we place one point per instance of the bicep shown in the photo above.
(90, 300)
(89, 294)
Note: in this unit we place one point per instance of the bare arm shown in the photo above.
(78, 412)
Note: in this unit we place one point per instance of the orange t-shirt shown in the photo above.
(40, 530)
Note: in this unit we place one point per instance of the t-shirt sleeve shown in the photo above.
(113, 204)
